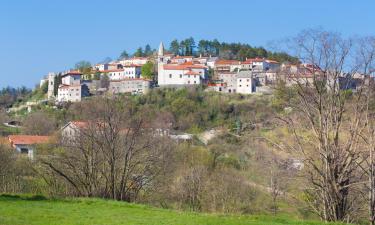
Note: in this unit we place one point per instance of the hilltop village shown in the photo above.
(253, 75)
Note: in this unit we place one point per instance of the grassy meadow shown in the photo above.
(16, 210)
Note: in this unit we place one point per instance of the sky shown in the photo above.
(41, 36)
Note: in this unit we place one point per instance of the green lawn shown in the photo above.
(24, 211)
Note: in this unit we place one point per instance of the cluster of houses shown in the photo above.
(227, 76)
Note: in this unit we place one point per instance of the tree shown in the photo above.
(124, 54)
(39, 123)
(139, 52)
(366, 60)
(83, 66)
(57, 81)
(148, 70)
(113, 156)
(104, 81)
(327, 123)
(148, 50)
(175, 47)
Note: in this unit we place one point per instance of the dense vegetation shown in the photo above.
(225, 50)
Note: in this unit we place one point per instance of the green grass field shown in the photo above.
(16, 210)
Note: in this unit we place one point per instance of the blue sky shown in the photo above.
(38, 36)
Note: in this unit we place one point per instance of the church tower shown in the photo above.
(160, 63)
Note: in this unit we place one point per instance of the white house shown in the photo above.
(71, 78)
(25, 144)
(101, 66)
(72, 130)
(181, 74)
(132, 71)
(116, 74)
(245, 82)
(229, 79)
(72, 93)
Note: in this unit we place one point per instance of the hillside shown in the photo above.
(21, 210)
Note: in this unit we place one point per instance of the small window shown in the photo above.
(180, 75)
(170, 75)
(24, 151)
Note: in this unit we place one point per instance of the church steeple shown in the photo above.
(161, 49)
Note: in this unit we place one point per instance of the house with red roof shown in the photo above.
(26, 144)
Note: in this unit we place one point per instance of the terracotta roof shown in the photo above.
(272, 61)
(73, 72)
(227, 62)
(27, 139)
(183, 66)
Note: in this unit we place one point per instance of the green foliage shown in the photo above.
(175, 47)
(124, 54)
(95, 211)
(57, 82)
(147, 70)
(139, 52)
(225, 50)
(83, 66)
(148, 50)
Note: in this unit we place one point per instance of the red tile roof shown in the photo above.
(73, 72)
(27, 139)
(184, 66)
(227, 62)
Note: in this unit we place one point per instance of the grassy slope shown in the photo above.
(17, 211)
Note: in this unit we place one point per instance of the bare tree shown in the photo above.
(113, 156)
(328, 122)
(39, 123)
(366, 58)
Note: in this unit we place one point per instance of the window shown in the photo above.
(24, 151)
(240, 80)
(240, 85)
(195, 82)
(170, 75)
(180, 75)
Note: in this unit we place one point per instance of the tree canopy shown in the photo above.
(237, 51)
(148, 70)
